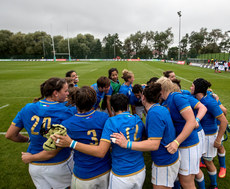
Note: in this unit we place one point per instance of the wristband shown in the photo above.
(129, 145)
(197, 119)
(177, 142)
(73, 144)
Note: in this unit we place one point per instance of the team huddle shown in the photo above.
(96, 134)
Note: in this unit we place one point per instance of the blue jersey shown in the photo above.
(87, 128)
(133, 100)
(72, 107)
(176, 104)
(194, 102)
(219, 103)
(185, 92)
(159, 125)
(33, 115)
(126, 90)
(125, 161)
(208, 122)
(100, 95)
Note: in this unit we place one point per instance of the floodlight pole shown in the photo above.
(53, 49)
(179, 14)
(43, 45)
(114, 50)
(68, 43)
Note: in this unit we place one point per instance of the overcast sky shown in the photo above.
(125, 17)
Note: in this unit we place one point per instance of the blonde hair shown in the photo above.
(126, 74)
(176, 88)
(166, 84)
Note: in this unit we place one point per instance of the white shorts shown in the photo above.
(135, 181)
(211, 151)
(140, 110)
(101, 182)
(201, 144)
(190, 160)
(52, 176)
(165, 176)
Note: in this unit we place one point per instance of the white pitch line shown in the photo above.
(93, 70)
(4, 106)
(184, 79)
(3, 133)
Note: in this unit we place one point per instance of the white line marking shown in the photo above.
(93, 70)
(75, 63)
(183, 79)
(4, 106)
(3, 133)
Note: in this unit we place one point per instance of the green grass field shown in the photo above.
(20, 83)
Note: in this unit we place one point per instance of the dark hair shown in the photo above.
(201, 86)
(166, 73)
(119, 102)
(137, 88)
(152, 92)
(70, 82)
(111, 70)
(103, 82)
(152, 80)
(49, 86)
(85, 98)
(68, 74)
(71, 96)
(177, 81)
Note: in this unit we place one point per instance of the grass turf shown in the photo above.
(20, 83)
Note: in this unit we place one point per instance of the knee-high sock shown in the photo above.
(221, 158)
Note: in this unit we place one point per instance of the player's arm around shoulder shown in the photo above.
(93, 150)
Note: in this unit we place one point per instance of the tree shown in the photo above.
(111, 46)
(225, 42)
(162, 41)
(145, 53)
(34, 43)
(184, 43)
(173, 53)
(136, 42)
(17, 47)
(5, 43)
(96, 49)
(197, 40)
(127, 48)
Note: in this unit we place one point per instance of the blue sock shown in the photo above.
(221, 158)
(176, 184)
(201, 182)
(213, 178)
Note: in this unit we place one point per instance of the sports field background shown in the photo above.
(20, 82)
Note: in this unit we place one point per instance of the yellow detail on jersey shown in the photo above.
(127, 133)
(46, 120)
(35, 117)
(94, 137)
(135, 134)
